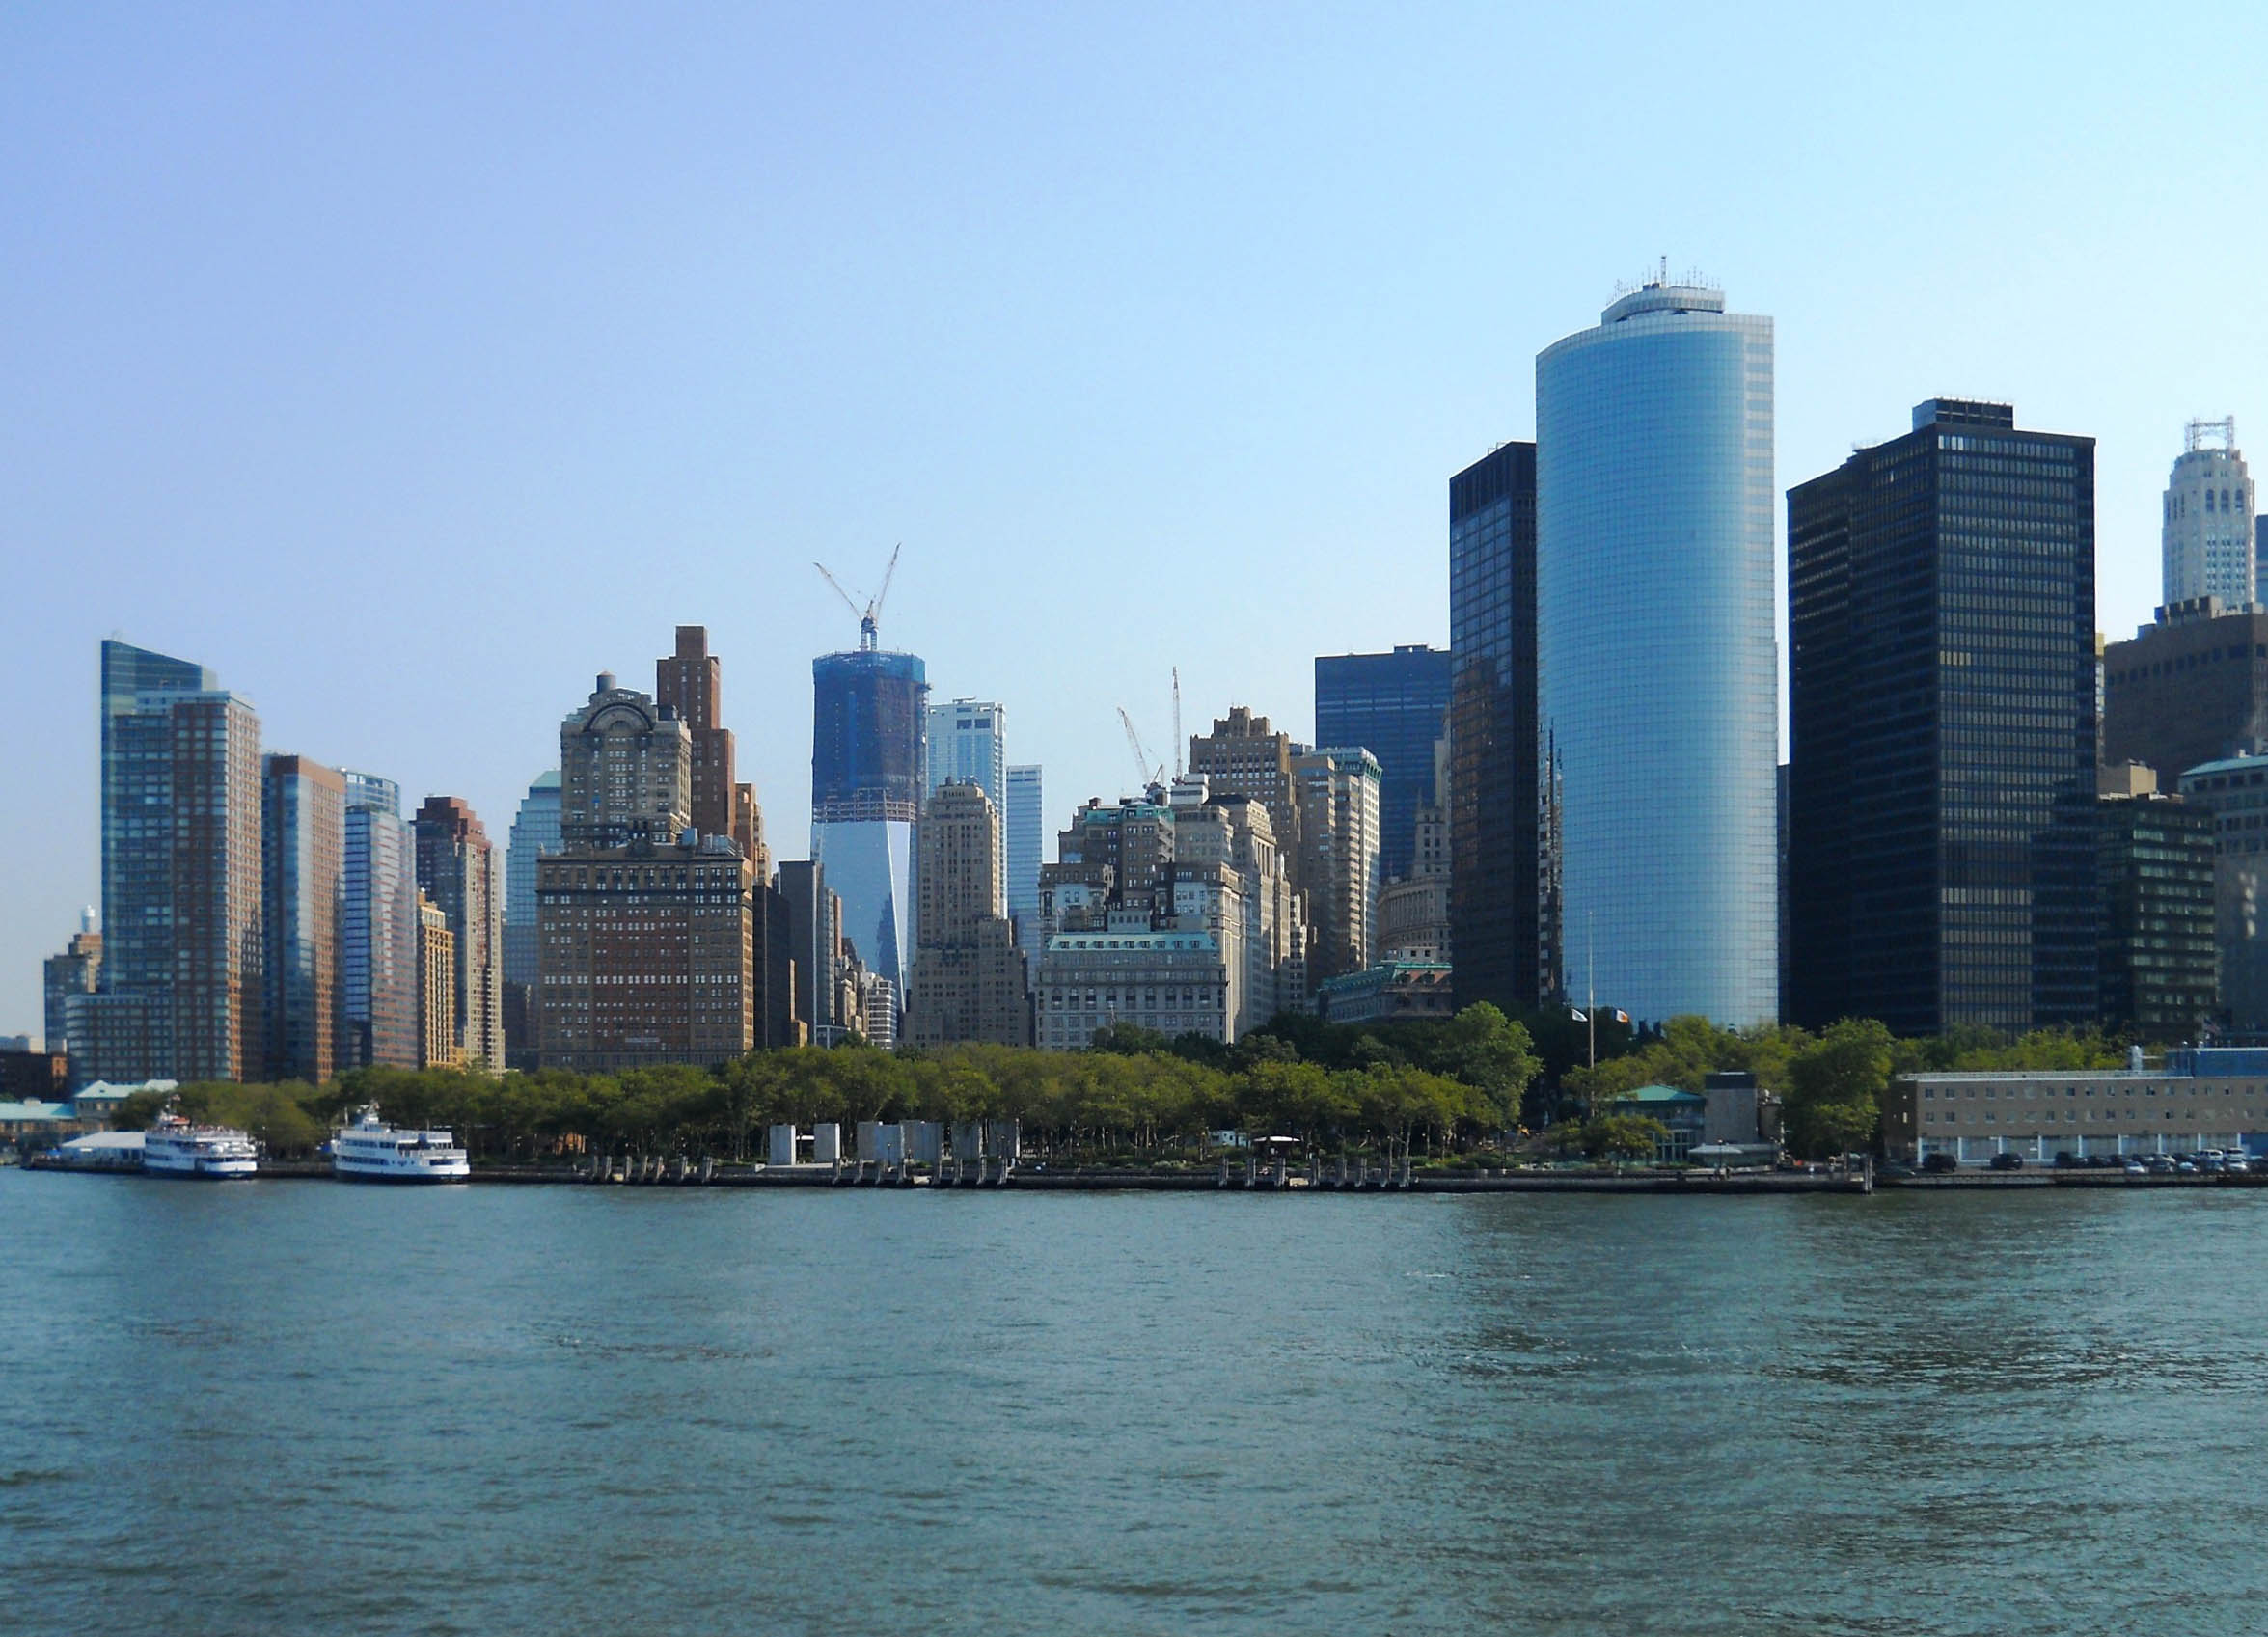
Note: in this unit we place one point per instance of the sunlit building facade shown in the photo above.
(1657, 664)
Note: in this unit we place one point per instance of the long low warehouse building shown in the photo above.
(2199, 1096)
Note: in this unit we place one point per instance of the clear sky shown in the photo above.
(409, 364)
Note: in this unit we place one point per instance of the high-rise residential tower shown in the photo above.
(1027, 843)
(652, 939)
(867, 758)
(689, 684)
(1395, 706)
(1339, 841)
(457, 869)
(1941, 777)
(303, 820)
(380, 955)
(77, 971)
(1503, 885)
(968, 981)
(2208, 530)
(535, 832)
(967, 743)
(1657, 668)
(181, 974)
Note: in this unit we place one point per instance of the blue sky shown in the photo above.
(409, 364)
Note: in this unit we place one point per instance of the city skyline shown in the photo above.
(242, 438)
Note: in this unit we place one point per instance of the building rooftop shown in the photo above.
(1660, 1094)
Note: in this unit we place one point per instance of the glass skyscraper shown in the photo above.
(1502, 901)
(869, 759)
(1395, 706)
(1658, 672)
(180, 878)
(969, 742)
(1027, 847)
(1942, 714)
(379, 949)
(535, 832)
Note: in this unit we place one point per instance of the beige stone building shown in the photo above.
(1338, 865)
(968, 980)
(2197, 1098)
(439, 1045)
(653, 935)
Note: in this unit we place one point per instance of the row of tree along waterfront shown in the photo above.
(1477, 1084)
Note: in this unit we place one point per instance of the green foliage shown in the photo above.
(1622, 1137)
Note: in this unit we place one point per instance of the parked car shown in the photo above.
(1937, 1164)
(2008, 1161)
(2236, 1164)
(2135, 1169)
(2160, 1165)
(2066, 1161)
(1895, 1171)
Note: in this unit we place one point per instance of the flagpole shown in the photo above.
(1591, 1007)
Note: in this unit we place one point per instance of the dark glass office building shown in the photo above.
(868, 731)
(1395, 706)
(1503, 920)
(1942, 717)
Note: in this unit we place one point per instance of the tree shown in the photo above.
(1622, 1137)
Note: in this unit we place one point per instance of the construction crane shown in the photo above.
(1148, 773)
(870, 617)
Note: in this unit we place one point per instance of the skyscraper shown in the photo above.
(457, 869)
(2208, 531)
(1659, 676)
(303, 821)
(1027, 842)
(380, 943)
(1242, 757)
(77, 971)
(968, 981)
(1503, 893)
(535, 832)
(1941, 778)
(968, 741)
(1339, 841)
(650, 935)
(867, 759)
(1395, 706)
(182, 972)
(689, 684)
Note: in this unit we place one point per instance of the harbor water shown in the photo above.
(300, 1406)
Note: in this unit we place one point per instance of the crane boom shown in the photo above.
(874, 608)
(1133, 743)
(850, 602)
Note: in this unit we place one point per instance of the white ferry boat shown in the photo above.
(173, 1147)
(372, 1151)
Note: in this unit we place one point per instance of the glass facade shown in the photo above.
(303, 819)
(1395, 706)
(137, 828)
(870, 758)
(1941, 780)
(968, 741)
(1658, 666)
(379, 933)
(1502, 901)
(535, 832)
(1028, 844)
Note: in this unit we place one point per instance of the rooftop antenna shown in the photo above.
(1665, 268)
(1177, 738)
(2224, 428)
(870, 617)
